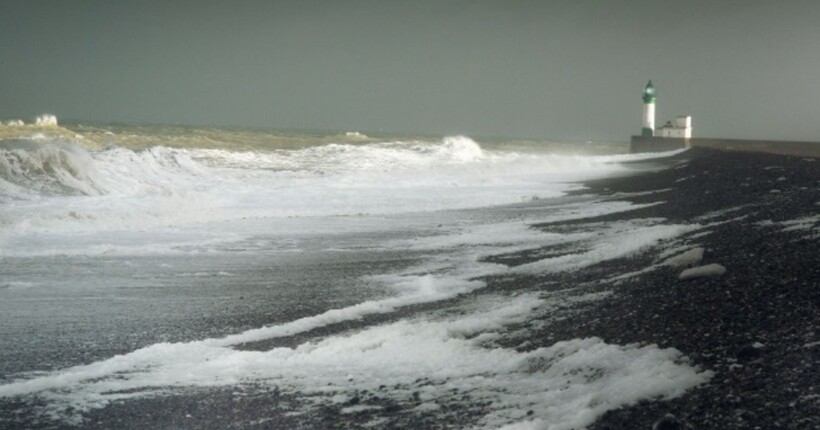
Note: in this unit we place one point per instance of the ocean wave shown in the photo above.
(44, 166)
(58, 186)
(49, 164)
(347, 157)
(44, 120)
(32, 165)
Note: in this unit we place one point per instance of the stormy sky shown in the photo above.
(559, 69)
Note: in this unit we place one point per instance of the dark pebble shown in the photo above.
(668, 422)
(747, 353)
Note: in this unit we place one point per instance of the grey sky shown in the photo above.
(548, 69)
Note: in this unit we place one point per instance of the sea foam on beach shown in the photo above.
(408, 227)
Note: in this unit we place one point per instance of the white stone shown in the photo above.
(709, 270)
(690, 257)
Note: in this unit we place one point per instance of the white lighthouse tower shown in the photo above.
(648, 110)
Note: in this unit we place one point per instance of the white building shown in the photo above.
(681, 128)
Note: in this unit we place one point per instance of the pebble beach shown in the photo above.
(751, 316)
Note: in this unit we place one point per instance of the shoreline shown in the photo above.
(755, 327)
(717, 323)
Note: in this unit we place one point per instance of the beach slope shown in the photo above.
(740, 295)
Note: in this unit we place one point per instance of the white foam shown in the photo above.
(568, 384)
(453, 350)
(45, 168)
(584, 210)
(456, 269)
(55, 190)
(615, 240)
(356, 135)
(623, 158)
(512, 236)
(46, 120)
(808, 224)
(411, 290)
(689, 256)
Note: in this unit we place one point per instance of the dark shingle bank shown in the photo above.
(756, 326)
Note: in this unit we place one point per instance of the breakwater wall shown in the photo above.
(659, 144)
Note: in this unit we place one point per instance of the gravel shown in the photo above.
(756, 326)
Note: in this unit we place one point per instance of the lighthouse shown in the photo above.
(672, 135)
(648, 110)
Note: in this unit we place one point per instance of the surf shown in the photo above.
(53, 184)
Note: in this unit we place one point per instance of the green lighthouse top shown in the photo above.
(649, 93)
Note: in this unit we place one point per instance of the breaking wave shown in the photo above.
(52, 168)
(37, 167)
(59, 184)
(56, 167)
(63, 167)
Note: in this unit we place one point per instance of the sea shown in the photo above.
(342, 276)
